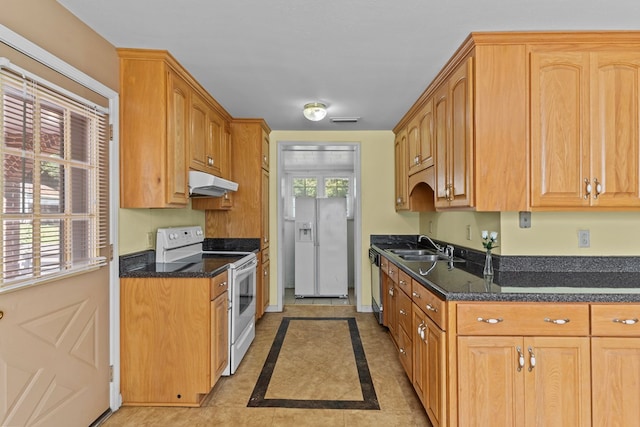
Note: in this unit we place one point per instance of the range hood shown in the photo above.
(204, 184)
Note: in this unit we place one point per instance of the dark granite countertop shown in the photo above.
(464, 282)
(143, 265)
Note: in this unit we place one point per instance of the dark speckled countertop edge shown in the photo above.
(540, 291)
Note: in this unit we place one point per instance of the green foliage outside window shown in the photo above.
(305, 187)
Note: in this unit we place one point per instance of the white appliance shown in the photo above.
(321, 268)
(179, 249)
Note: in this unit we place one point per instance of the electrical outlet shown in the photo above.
(468, 232)
(584, 239)
(525, 219)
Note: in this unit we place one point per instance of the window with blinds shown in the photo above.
(54, 181)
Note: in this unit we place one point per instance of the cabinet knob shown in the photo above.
(622, 321)
(557, 321)
(222, 284)
(210, 161)
(491, 321)
(532, 360)
(416, 295)
(435, 310)
(520, 358)
(587, 188)
(598, 188)
(404, 313)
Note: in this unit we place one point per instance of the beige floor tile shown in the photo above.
(226, 405)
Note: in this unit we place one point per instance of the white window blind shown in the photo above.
(54, 180)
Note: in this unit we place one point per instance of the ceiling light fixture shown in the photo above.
(315, 111)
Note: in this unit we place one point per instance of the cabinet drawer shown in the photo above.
(523, 319)
(219, 284)
(405, 350)
(403, 308)
(393, 272)
(384, 265)
(432, 306)
(618, 320)
(404, 282)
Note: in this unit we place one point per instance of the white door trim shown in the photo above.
(357, 218)
(30, 49)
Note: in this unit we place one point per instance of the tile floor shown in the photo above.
(226, 405)
(290, 298)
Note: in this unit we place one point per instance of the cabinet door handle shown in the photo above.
(210, 161)
(520, 359)
(491, 321)
(402, 351)
(587, 188)
(402, 282)
(222, 284)
(598, 188)
(404, 313)
(557, 321)
(415, 294)
(391, 291)
(622, 321)
(532, 360)
(431, 308)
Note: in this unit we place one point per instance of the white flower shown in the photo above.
(489, 239)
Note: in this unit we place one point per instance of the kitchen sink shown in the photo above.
(412, 252)
(424, 258)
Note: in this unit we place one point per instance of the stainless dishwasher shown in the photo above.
(376, 285)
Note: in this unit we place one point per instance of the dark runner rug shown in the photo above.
(319, 370)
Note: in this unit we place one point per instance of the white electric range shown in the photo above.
(179, 249)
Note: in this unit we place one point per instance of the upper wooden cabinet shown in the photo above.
(585, 124)
(534, 121)
(454, 138)
(476, 109)
(168, 123)
(206, 138)
(154, 126)
(249, 217)
(401, 179)
(420, 139)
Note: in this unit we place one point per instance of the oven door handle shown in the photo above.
(246, 266)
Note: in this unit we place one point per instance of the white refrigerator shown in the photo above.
(321, 247)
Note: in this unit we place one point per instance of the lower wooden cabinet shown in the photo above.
(522, 381)
(264, 288)
(219, 336)
(173, 339)
(615, 364)
(615, 381)
(515, 363)
(429, 363)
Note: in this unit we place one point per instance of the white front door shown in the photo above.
(54, 352)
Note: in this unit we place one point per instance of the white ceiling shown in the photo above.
(363, 58)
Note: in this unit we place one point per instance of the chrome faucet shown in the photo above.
(446, 251)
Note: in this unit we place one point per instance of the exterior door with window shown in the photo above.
(54, 283)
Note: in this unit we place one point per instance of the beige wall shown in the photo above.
(137, 227)
(551, 233)
(377, 192)
(53, 28)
